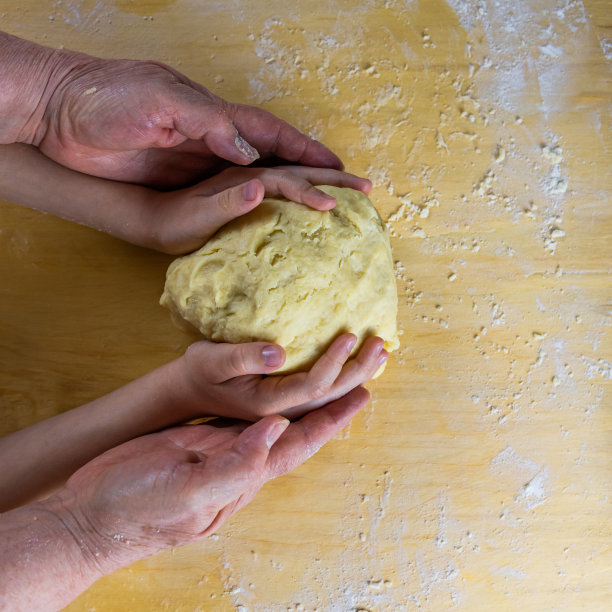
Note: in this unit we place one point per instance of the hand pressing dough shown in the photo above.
(288, 274)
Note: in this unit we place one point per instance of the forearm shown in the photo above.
(125, 211)
(50, 554)
(47, 559)
(35, 460)
(29, 74)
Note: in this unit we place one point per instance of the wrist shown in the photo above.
(92, 552)
(155, 225)
(42, 561)
(86, 555)
(29, 76)
(187, 403)
(165, 226)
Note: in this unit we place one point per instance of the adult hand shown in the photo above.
(181, 221)
(161, 490)
(144, 122)
(179, 485)
(236, 380)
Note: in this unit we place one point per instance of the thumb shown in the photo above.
(246, 459)
(200, 115)
(233, 202)
(257, 439)
(231, 360)
(213, 212)
(238, 473)
(224, 140)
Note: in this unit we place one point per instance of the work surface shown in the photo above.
(480, 475)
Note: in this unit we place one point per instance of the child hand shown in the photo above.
(182, 221)
(230, 379)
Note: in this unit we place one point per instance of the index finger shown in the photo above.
(273, 136)
(305, 437)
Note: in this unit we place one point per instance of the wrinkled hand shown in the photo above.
(179, 485)
(230, 379)
(144, 122)
(182, 221)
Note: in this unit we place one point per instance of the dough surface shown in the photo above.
(288, 274)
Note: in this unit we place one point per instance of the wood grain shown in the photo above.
(479, 477)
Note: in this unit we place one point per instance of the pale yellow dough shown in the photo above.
(289, 274)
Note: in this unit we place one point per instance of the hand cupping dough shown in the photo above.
(288, 274)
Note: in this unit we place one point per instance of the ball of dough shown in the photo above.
(288, 274)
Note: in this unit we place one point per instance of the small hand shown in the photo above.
(182, 221)
(146, 123)
(230, 379)
(179, 485)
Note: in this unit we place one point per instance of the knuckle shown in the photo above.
(252, 476)
(302, 147)
(226, 109)
(364, 369)
(319, 389)
(267, 174)
(217, 110)
(334, 361)
(278, 177)
(224, 201)
(261, 410)
(192, 353)
(285, 176)
(238, 360)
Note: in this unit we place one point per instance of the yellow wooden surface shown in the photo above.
(479, 478)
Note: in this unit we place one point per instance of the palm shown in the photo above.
(168, 482)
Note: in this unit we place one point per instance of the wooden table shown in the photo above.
(480, 476)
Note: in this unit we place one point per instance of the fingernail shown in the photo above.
(351, 344)
(276, 432)
(250, 190)
(272, 356)
(245, 148)
(382, 358)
